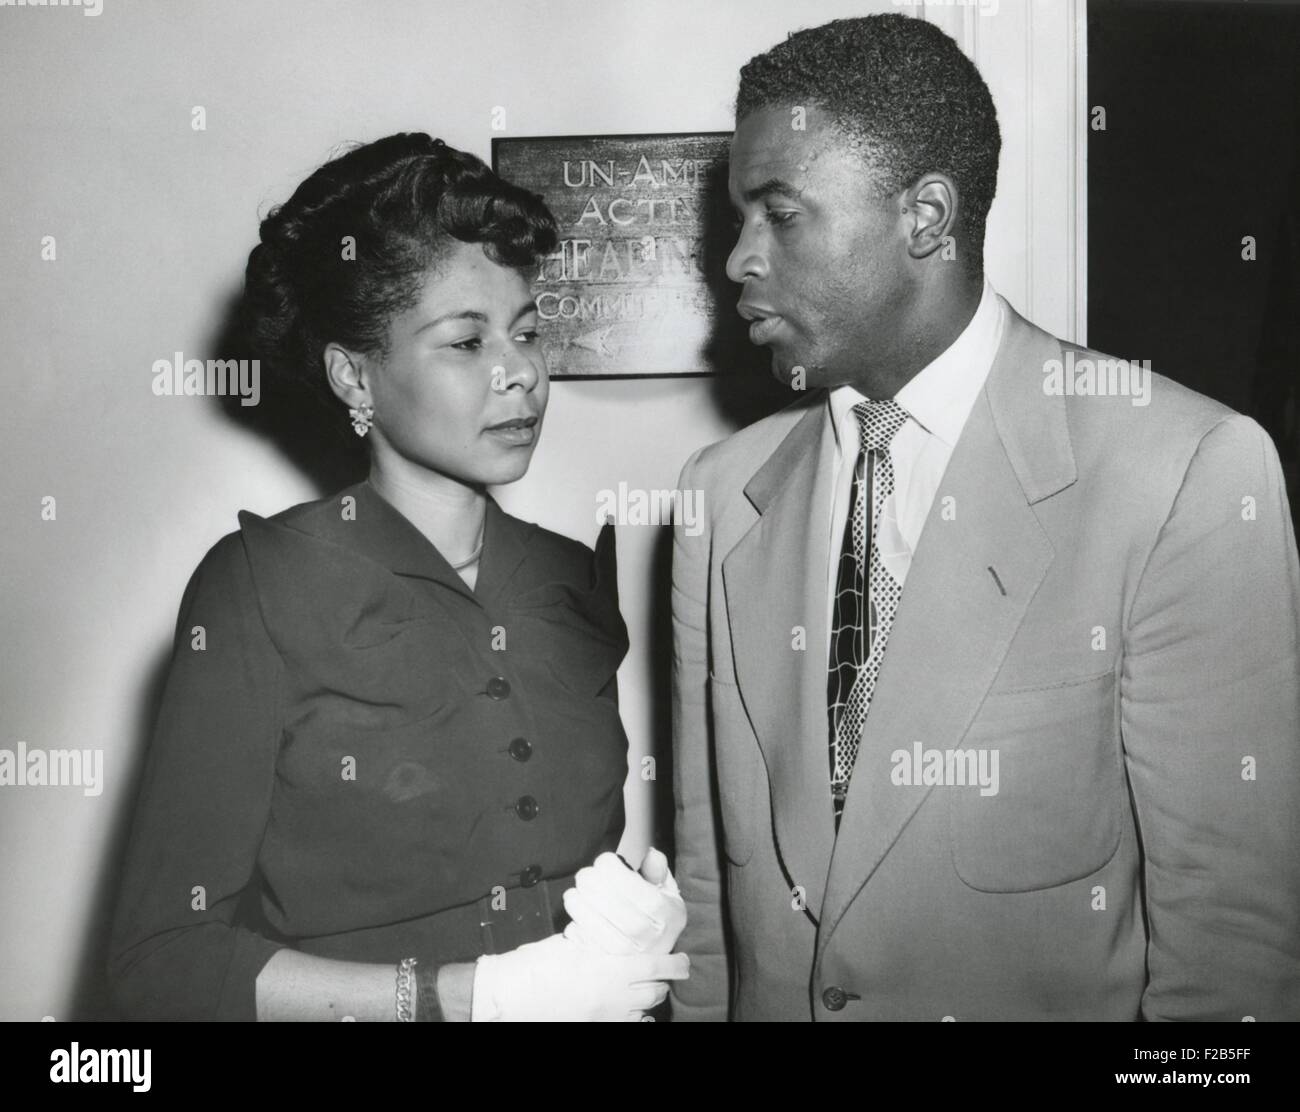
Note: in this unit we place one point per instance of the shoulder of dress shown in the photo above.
(555, 548)
(314, 516)
(567, 574)
(313, 591)
(222, 575)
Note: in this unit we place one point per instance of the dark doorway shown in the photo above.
(1199, 151)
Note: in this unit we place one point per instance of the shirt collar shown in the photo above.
(941, 395)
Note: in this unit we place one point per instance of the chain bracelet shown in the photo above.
(405, 989)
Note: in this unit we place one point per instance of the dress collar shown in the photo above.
(381, 533)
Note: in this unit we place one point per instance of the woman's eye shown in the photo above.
(529, 336)
(472, 344)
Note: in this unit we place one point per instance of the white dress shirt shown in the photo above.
(938, 400)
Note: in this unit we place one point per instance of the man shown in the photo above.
(986, 696)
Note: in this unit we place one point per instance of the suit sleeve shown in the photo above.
(705, 995)
(177, 951)
(1210, 711)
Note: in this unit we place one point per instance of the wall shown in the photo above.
(153, 221)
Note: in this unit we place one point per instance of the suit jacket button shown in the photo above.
(530, 876)
(521, 749)
(526, 808)
(834, 998)
(498, 687)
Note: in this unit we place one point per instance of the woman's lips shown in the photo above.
(518, 434)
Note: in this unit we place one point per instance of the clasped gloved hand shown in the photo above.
(617, 911)
(559, 979)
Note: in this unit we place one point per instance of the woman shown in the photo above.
(390, 731)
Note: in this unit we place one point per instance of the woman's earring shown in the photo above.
(362, 418)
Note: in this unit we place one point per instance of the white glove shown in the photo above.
(556, 979)
(616, 911)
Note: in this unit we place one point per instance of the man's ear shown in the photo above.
(347, 375)
(932, 206)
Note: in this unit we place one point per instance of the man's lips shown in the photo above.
(762, 331)
(764, 322)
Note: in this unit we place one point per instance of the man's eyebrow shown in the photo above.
(771, 186)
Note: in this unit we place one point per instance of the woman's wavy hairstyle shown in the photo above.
(351, 249)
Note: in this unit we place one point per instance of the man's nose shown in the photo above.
(745, 260)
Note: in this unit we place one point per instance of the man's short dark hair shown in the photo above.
(901, 88)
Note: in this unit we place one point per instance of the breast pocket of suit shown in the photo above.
(742, 796)
(1053, 815)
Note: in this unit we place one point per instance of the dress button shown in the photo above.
(834, 998)
(526, 808)
(530, 876)
(521, 749)
(497, 687)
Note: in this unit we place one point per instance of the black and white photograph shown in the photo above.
(569, 511)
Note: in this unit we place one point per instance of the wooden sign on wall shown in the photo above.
(637, 286)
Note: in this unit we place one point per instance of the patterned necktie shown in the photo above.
(860, 631)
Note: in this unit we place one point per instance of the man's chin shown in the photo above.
(783, 370)
(790, 372)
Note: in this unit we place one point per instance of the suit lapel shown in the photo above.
(775, 583)
(954, 622)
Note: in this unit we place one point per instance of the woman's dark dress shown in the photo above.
(359, 757)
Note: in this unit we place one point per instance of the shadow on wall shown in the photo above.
(314, 437)
(744, 389)
(90, 994)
